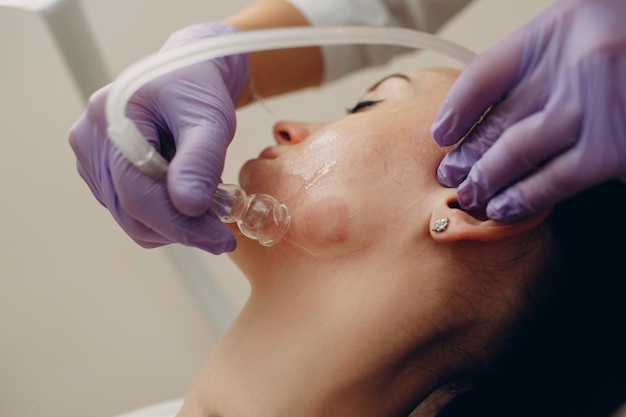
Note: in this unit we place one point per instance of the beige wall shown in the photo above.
(91, 324)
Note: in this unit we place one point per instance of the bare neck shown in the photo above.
(334, 338)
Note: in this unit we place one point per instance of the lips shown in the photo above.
(268, 153)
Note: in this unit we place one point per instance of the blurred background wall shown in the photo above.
(90, 323)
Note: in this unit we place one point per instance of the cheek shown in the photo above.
(323, 227)
(263, 176)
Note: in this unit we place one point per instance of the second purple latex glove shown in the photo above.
(558, 125)
(191, 111)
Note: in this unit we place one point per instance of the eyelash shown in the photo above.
(362, 105)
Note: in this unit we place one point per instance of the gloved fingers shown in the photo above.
(519, 151)
(197, 168)
(233, 68)
(88, 141)
(194, 32)
(481, 83)
(147, 120)
(561, 178)
(456, 165)
(143, 208)
(104, 191)
(93, 185)
(216, 240)
(148, 238)
(137, 231)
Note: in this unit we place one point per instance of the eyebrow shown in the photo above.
(397, 75)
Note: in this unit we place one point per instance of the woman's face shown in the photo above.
(349, 181)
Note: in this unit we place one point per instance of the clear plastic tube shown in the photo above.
(126, 136)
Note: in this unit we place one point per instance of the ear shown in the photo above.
(463, 225)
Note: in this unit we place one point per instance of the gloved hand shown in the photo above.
(558, 124)
(190, 110)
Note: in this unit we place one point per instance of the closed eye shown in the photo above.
(362, 105)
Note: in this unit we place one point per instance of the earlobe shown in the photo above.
(448, 223)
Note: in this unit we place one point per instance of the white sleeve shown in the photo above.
(424, 15)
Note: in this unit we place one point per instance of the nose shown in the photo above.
(287, 132)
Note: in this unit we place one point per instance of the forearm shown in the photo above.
(278, 71)
(281, 71)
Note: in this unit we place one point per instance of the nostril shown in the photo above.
(284, 135)
(290, 133)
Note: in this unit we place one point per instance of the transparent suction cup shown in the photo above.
(258, 216)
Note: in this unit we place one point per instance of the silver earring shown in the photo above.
(441, 225)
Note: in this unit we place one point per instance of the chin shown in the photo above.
(252, 181)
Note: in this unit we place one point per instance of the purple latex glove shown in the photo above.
(190, 110)
(559, 122)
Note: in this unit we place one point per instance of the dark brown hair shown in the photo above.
(570, 357)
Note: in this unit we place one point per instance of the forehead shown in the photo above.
(440, 79)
